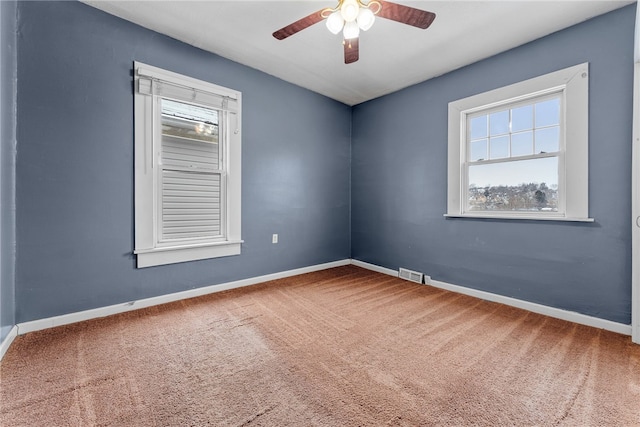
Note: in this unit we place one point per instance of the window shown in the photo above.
(187, 168)
(521, 151)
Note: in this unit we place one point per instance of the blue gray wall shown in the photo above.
(399, 176)
(75, 165)
(74, 190)
(7, 165)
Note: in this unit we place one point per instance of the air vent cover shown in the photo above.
(413, 276)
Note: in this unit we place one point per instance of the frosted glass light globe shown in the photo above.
(351, 30)
(349, 10)
(365, 18)
(335, 22)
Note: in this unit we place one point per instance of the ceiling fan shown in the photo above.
(351, 16)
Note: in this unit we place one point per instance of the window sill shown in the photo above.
(175, 254)
(520, 217)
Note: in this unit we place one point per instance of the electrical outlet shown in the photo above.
(274, 238)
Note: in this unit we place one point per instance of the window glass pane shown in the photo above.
(548, 113)
(499, 147)
(479, 127)
(522, 118)
(478, 150)
(521, 144)
(189, 121)
(499, 122)
(548, 140)
(522, 185)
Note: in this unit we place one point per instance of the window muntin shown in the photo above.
(513, 152)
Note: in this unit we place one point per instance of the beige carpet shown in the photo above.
(342, 347)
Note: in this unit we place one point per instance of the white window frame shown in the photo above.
(149, 82)
(573, 192)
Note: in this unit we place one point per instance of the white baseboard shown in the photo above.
(374, 267)
(36, 325)
(65, 319)
(558, 313)
(4, 345)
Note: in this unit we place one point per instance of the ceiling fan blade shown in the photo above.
(406, 15)
(299, 25)
(351, 50)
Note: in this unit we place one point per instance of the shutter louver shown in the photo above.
(190, 204)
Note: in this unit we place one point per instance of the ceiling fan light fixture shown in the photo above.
(351, 30)
(349, 10)
(353, 16)
(335, 22)
(365, 18)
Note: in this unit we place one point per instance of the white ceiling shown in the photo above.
(392, 55)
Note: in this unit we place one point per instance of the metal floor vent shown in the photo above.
(413, 276)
